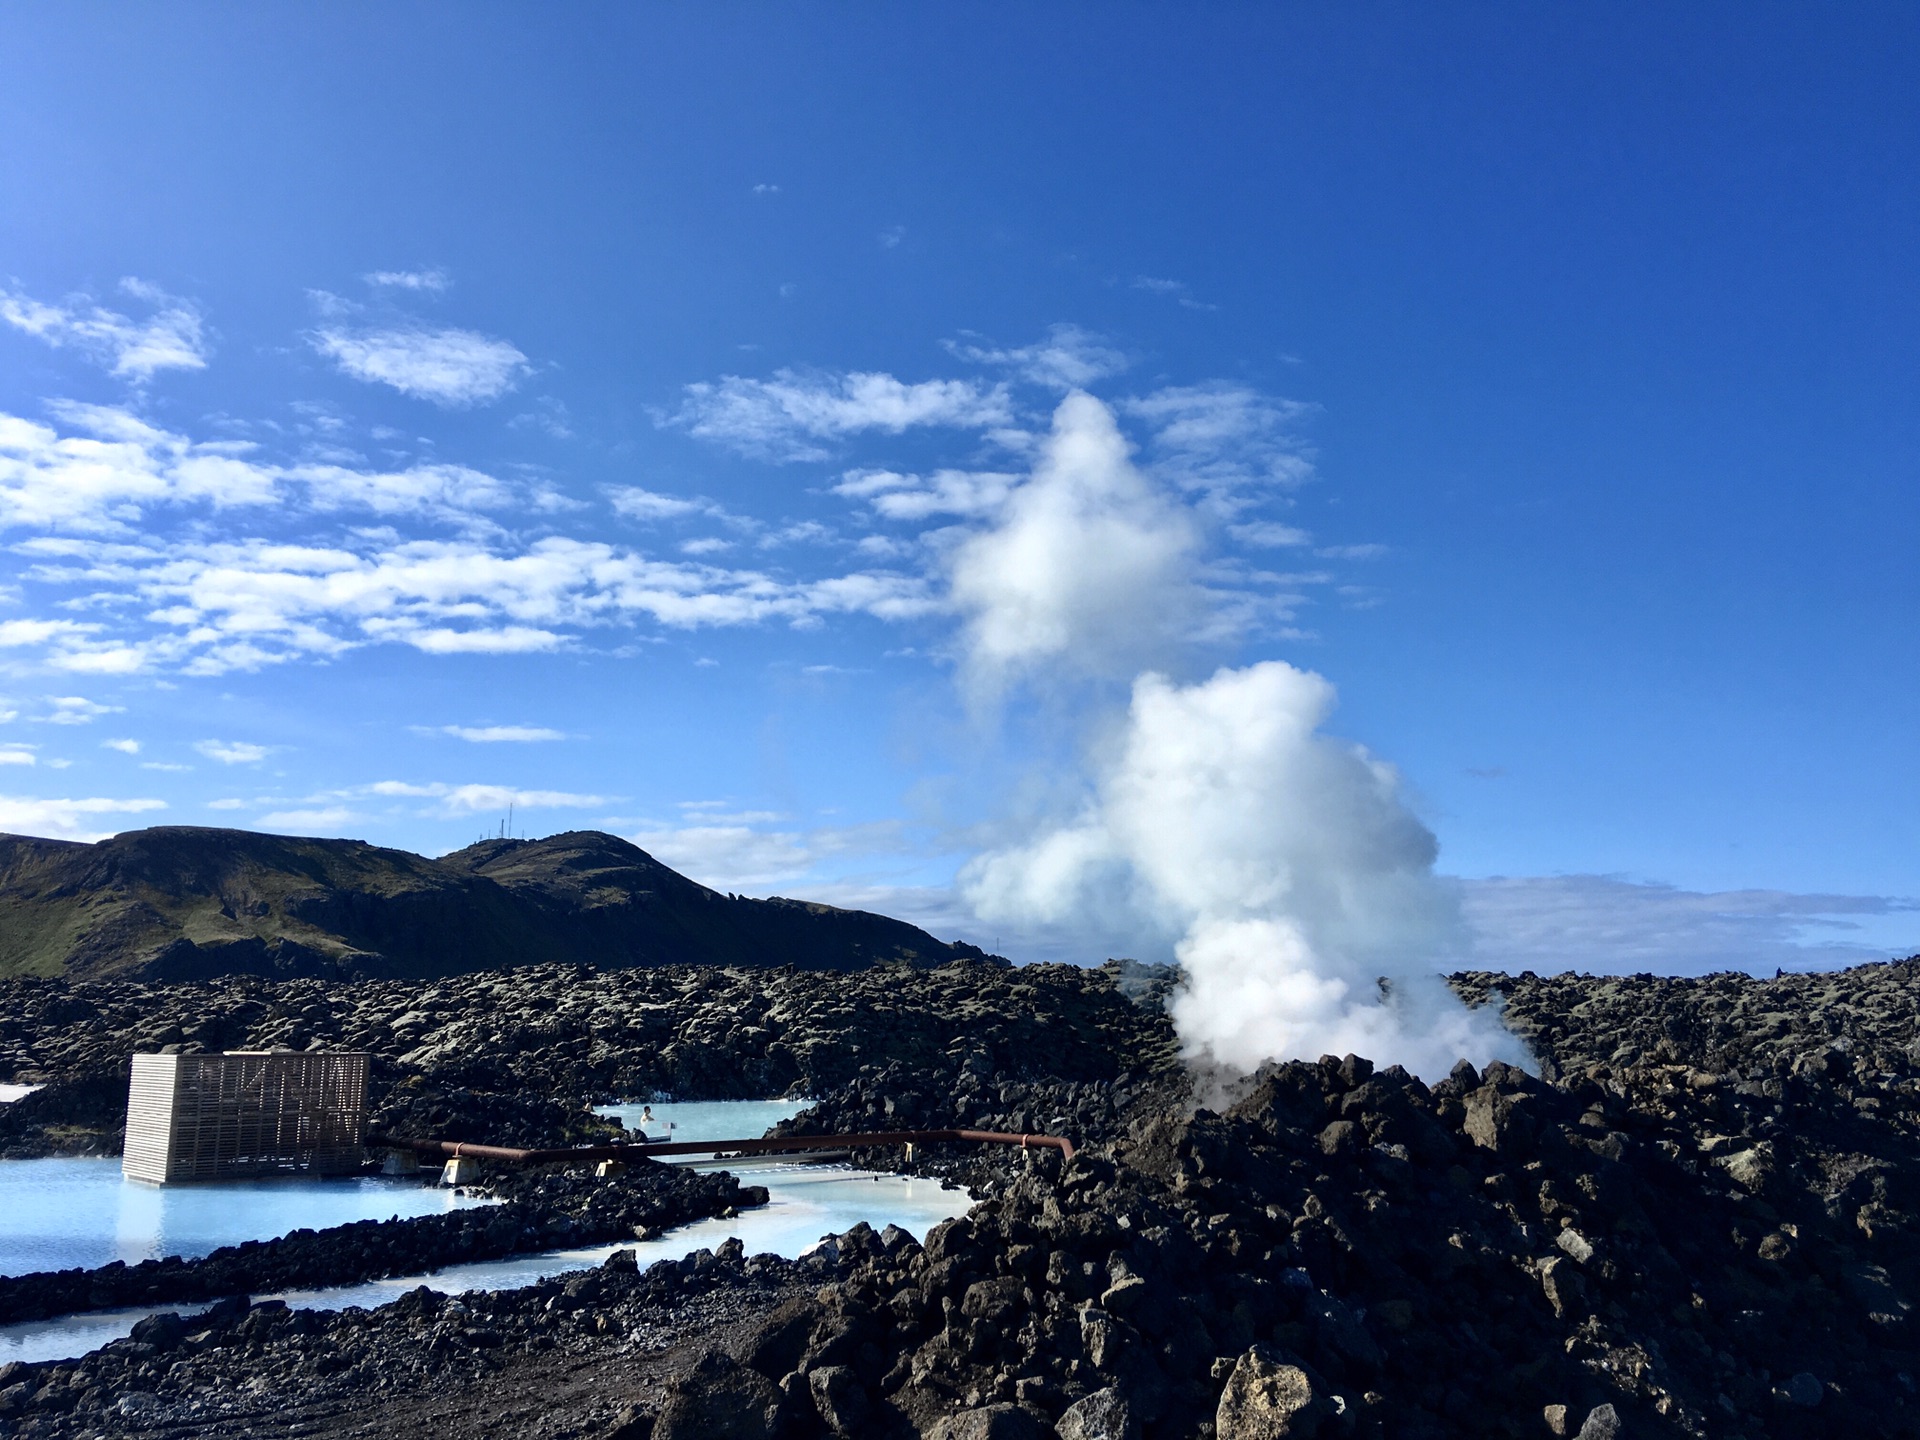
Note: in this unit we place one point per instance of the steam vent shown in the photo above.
(219, 1117)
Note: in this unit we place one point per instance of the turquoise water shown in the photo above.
(706, 1119)
(804, 1204)
(63, 1213)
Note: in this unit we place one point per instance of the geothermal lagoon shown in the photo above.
(63, 1213)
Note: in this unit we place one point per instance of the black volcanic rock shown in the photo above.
(188, 903)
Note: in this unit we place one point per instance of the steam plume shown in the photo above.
(1297, 882)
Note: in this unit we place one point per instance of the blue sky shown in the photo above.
(411, 410)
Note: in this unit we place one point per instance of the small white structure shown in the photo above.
(247, 1112)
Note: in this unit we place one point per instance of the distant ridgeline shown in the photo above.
(183, 902)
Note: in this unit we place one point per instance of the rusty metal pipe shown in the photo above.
(512, 1155)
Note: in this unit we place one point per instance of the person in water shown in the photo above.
(646, 1119)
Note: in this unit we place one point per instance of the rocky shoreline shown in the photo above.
(1701, 1219)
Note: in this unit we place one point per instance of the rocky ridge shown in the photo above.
(186, 902)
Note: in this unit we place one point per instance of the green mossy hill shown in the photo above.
(187, 903)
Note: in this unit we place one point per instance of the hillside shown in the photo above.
(184, 902)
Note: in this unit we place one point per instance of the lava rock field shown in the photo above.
(1701, 1218)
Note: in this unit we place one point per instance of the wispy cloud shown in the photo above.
(1173, 289)
(211, 608)
(497, 734)
(449, 367)
(787, 417)
(66, 819)
(1608, 925)
(1230, 443)
(477, 799)
(17, 754)
(75, 710)
(915, 497)
(323, 820)
(125, 747)
(432, 282)
(173, 337)
(649, 506)
(1270, 535)
(733, 849)
(1069, 358)
(233, 752)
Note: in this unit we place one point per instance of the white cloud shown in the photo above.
(76, 710)
(913, 497)
(444, 490)
(892, 236)
(306, 822)
(449, 367)
(786, 418)
(1269, 535)
(125, 747)
(14, 633)
(1226, 441)
(549, 415)
(172, 338)
(755, 850)
(220, 607)
(1068, 359)
(434, 282)
(1351, 552)
(167, 766)
(102, 478)
(1176, 289)
(1089, 569)
(473, 799)
(1606, 925)
(227, 804)
(66, 819)
(492, 734)
(233, 752)
(15, 754)
(649, 506)
(728, 857)
(112, 469)
(502, 640)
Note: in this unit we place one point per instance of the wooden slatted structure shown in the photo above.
(219, 1117)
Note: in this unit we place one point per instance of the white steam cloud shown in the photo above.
(1298, 884)
(1088, 569)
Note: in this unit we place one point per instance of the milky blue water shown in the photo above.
(83, 1210)
(58, 1214)
(705, 1119)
